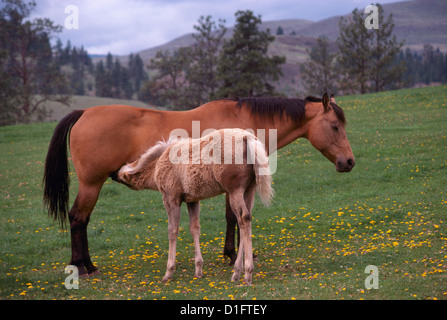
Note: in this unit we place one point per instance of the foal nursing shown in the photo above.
(229, 161)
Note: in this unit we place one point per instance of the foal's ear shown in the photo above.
(325, 102)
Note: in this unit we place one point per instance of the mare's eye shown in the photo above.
(335, 128)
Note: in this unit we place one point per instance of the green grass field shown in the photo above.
(315, 241)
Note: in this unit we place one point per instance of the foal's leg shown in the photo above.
(194, 227)
(243, 216)
(230, 216)
(173, 210)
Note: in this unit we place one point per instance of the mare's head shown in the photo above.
(326, 132)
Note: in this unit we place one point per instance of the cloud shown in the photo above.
(124, 26)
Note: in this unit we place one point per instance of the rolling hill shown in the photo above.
(417, 22)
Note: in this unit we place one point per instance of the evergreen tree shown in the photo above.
(204, 55)
(244, 67)
(137, 74)
(318, 73)
(27, 64)
(367, 57)
(58, 51)
(354, 45)
(384, 72)
(109, 62)
(279, 31)
(99, 79)
(66, 53)
(168, 86)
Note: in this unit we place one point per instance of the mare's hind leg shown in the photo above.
(230, 216)
(194, 227)
(79, 216)
(230, 248)
(173, 210)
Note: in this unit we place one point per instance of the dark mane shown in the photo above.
(338, 111)
(268, 107)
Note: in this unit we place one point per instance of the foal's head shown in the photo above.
(326, 132)
(140, 173)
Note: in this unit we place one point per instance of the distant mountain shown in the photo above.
(417, 21)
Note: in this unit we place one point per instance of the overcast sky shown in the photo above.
(125, 26)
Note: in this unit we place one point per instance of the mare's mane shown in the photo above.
(293, 108)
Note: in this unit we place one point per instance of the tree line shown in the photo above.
(32, 72)
(215, 67)
(103, 79)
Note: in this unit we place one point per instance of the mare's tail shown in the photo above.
(56, 179)
(256, 149)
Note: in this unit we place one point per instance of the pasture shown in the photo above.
(314, 242)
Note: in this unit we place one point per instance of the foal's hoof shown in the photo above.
(166, 278)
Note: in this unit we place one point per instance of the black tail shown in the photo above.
(55, 178)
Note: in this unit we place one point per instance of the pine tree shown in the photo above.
(384, 73)
(354, 45)
(279, 31)
(318, 73)
(168, 86)
(137, 74)
(204, 55)
(367, 57)
(27, 63)
(244, 67)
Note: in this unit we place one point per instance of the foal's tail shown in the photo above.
(55, 178)
(256, 149)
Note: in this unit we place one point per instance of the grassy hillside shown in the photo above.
(315, 241)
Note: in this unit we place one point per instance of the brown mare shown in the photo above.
(104, 138)
(191, 181)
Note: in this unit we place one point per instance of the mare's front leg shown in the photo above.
(173, 210)
(194, 228)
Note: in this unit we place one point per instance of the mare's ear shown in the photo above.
(332, 98)
(325, 102)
